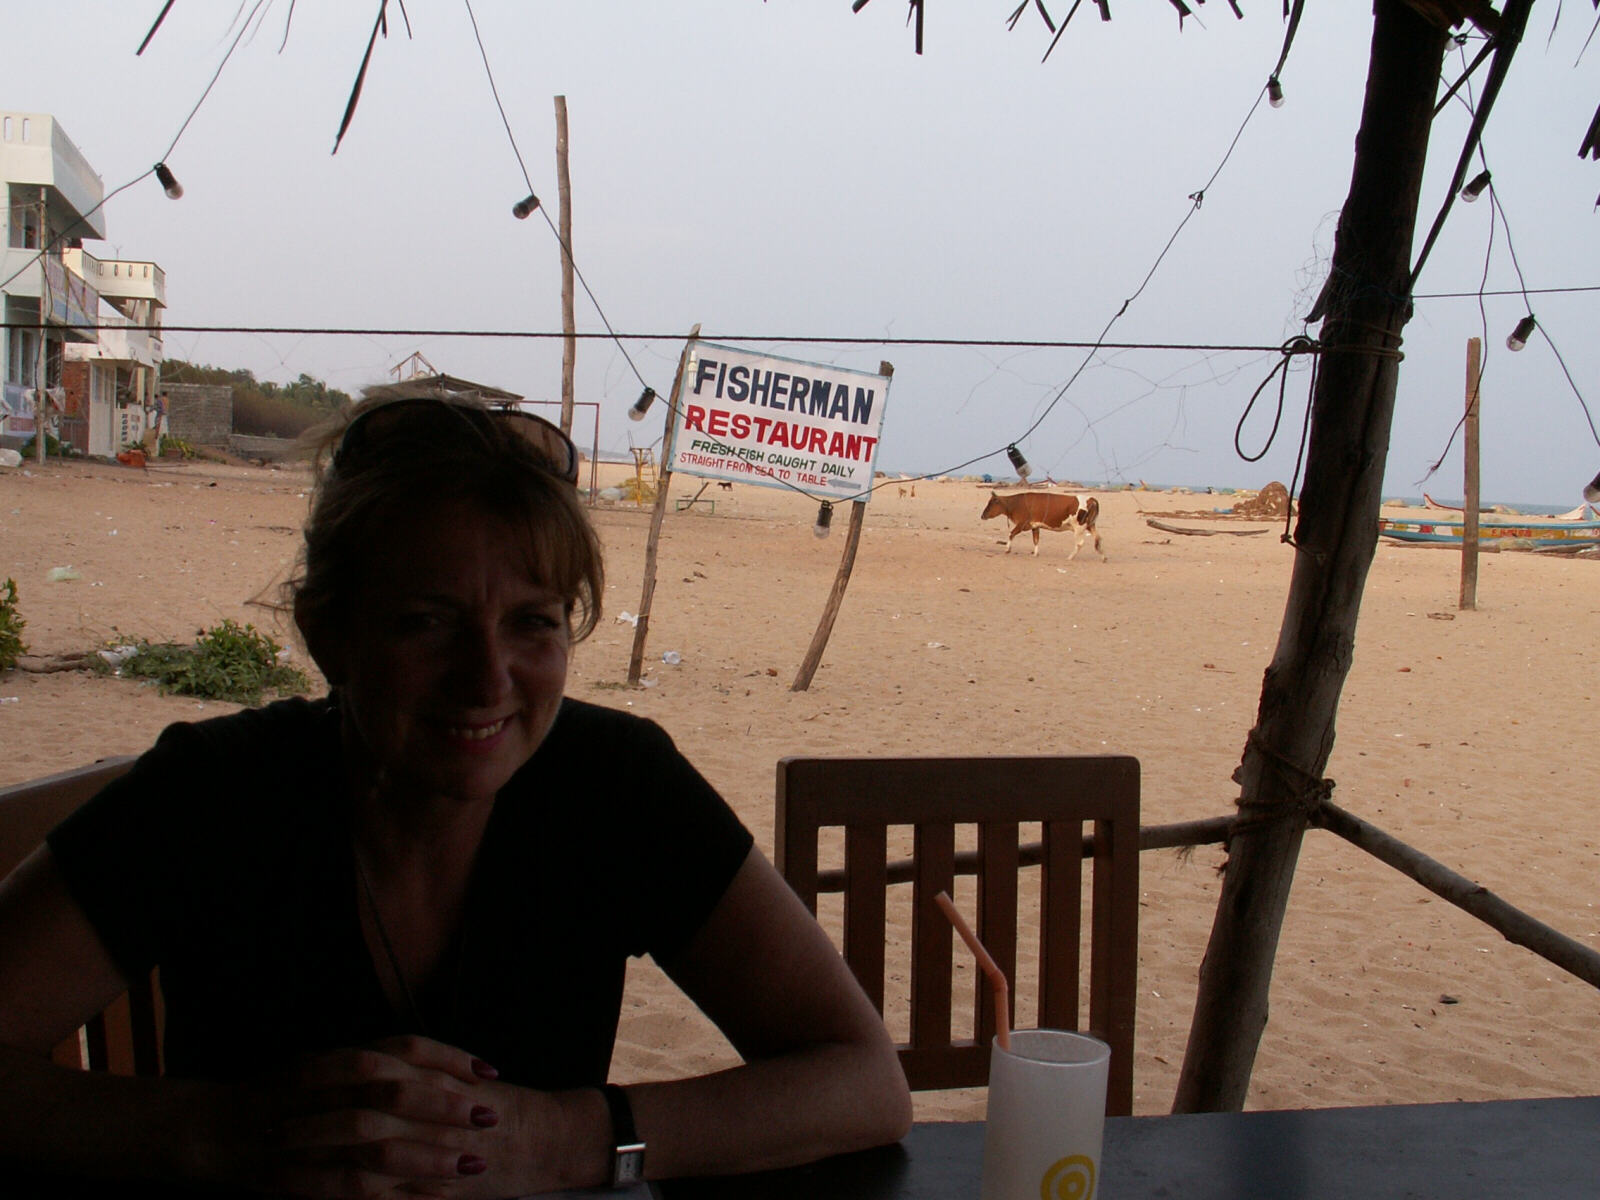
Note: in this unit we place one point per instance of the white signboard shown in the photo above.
(758, 418)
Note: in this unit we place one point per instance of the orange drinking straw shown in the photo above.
(997, 977)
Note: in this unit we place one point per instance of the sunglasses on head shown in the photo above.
(554, 449)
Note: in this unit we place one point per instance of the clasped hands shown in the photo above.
(402, 1116)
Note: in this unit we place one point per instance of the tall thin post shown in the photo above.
(1469, 466)
(569, 344)
(641, 629)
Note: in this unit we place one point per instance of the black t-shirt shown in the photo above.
(224, 858)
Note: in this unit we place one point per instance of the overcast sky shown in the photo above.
(790, 169)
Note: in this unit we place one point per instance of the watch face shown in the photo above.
(628, 1166)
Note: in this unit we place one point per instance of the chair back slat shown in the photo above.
(126, 1037)
(936, 797)
(1116, 913)
(865, 913)
(1059, 924)
(934, 849)
(997, 921)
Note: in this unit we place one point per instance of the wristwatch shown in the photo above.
(627, 1155)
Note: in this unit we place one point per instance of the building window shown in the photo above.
(24, 224)
(24, 356)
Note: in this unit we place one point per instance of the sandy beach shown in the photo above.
(1462, 733)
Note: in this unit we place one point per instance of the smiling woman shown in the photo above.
(393, 924)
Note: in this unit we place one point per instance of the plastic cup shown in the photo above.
(1047, 1113)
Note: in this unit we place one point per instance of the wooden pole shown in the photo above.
(42, 358)
(1469, 456)
(1365, 308)
(841, 580)
(1511, 922)
(569, 345)
(641, 629)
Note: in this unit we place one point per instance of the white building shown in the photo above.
(100, 389)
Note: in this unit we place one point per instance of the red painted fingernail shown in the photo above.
(471, 1164)
(483, 1070)
(485, 1117)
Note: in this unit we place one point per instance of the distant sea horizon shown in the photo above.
(1526, 507)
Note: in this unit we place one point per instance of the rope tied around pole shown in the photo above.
(1308, 792)
(1302, 344)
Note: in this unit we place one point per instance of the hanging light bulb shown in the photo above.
(1475, 188)
(1017, 461)
(642, 404)
(824, 520)
(523, 208)
(1592, 492)
(169, 181)
(1520, 335)
(1274, 92)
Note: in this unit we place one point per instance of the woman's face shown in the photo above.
(454, 658)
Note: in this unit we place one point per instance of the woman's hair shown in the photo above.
(411, 443)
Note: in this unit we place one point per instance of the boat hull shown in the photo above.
(1449, 533)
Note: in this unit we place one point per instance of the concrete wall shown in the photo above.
(200, 413)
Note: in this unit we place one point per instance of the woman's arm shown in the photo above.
(54, 975)
(821, 1075)
(400, 1115)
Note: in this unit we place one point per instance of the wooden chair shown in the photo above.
(126, 1037)
(866, 796)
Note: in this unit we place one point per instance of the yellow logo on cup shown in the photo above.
(1071, 1178)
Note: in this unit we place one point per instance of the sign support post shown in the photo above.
(641, 629)
(830, 611)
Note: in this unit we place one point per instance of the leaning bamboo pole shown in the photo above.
(1280, 775)
(1512, 923)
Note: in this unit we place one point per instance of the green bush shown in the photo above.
(226, 662)
(53, 448)
(12, 646)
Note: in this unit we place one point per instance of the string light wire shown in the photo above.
(523, 166)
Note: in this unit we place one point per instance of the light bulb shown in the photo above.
(1017, 461)
(523, 208)
(824, 520)
(642, 404)
(1475, 189)
(1520, 335)
(169, 181)
(1274, 92)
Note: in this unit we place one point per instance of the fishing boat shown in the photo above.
(1538, 534)
(1572, 514)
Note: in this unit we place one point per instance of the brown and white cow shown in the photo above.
(1033, 511)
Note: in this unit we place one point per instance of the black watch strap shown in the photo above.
(627, 1155)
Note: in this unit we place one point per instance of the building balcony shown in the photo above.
(120, 342)
(34, 150)
(120, 279)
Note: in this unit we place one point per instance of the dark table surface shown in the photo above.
(1493, 1150)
